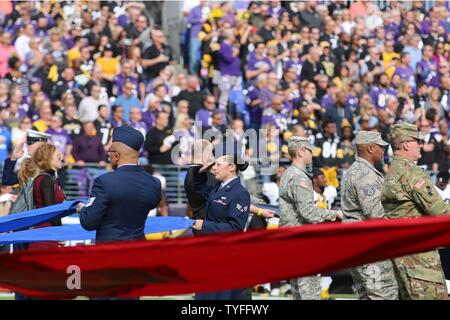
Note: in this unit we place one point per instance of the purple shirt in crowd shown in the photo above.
(254, 63)
(255, 111)
(195, 19)
(148, 117)
(379, 96)
(278, 119)
(204, 117)
(60, 139)
(297, 64)
(88, 149)
(228, 64)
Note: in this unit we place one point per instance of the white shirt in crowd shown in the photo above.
(445, 194)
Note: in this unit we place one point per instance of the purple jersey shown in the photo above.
(149, 118)
(379, 96)
(297, 64)
(60, 139)
(256, 110)
(204, 116)
(278, 119)
(254, 63)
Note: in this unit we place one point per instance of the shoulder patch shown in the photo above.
(419, 183)
(303, 184)
(90, 202)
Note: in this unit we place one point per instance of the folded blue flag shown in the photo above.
(76, 232)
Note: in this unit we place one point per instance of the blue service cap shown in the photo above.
(129, 136)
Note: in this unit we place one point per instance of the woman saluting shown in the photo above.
(227, 207)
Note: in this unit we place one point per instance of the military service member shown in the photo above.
(408, 192)
(361, 200)
(298, 208)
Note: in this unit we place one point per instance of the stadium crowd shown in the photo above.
(318, 69)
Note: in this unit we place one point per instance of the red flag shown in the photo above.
(217, 262)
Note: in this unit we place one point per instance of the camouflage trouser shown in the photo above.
(306, 288)
(420, 277)
(375, 281)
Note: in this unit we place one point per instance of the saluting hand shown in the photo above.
(206, 167)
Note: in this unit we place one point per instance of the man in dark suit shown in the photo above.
(121, 200)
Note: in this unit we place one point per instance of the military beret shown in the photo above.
(369, 137)
(128, 136)
(405, 131)
(297, 142)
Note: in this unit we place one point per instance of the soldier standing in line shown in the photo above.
(361, 200)
(298, 208)
(407, 193)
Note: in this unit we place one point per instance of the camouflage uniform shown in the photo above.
(361, 200)
(408, 192)
(297, 208)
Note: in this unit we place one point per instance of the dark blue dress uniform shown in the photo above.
(227, 209)
(121, 200)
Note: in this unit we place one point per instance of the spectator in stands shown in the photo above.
(136, 120)
(257, 63)
(217, 123)
(184, 133)
(229, 63)
(128, 74)
(312, 66)
(193, 95)
(6, 143)
(182, 107)
(128, 99)
(88, 147)
(204, 115)
(88, 108)
(196, 18)
(117, 117)
(159, 141)
(275, 114)
(157, 56)
(7, 50)
(102, 125)
(45, 117)
(429, 150)
(60, 138)
(65, 85)
(325, 153)
(254, 102)
(16, 76)
(340, 110)
(71, 121)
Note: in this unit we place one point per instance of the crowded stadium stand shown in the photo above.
(176, 70)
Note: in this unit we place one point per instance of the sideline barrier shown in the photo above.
(217, 262)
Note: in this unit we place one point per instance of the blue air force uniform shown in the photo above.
(227, 209)
(121, 200)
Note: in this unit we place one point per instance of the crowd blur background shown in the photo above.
(318, 69)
